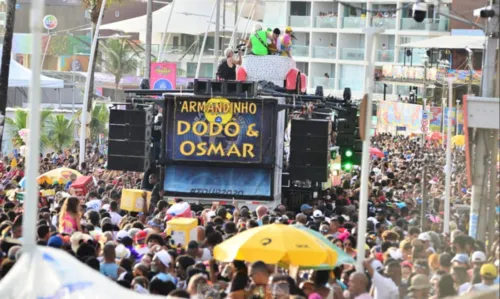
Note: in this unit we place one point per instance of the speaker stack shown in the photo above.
(129, 145)
(309, 150)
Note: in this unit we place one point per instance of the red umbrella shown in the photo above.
(376, 152)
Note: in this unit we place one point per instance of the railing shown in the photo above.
(353, 22)
(353, 84)
(352, 54)
(300, 51)
(324, 52)
(428, 24)
(385, 55)
(325, 22)
(300, 21)
(386, 23)
(379, 88)
(415, 59)
(327, 83)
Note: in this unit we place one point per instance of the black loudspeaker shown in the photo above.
(347, 94)
(140, 118)
(129, 144)
(133, 133)
(309, 150)
(127, 163)
(314, 174)
(319, 91)
(144, 84)
(318, 128)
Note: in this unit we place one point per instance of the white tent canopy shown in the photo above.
(449, 42)
(189, 17)
(20, 76)
(53, 273)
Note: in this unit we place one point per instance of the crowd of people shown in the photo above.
(403, 259)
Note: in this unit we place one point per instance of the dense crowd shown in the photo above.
(403, 258)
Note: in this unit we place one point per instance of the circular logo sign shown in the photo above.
(218, 110)
(424, 122)
(50, 22)
(424, 129)
(163, 84)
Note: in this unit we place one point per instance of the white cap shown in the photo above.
(121, 234)
(478, 257)
(424, 237)
(211, 214)
(122, 252)
(164, 257)
(317, 214)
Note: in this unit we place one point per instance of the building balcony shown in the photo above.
(300, 51)
(327, 83)
(437, 25)
(417, 57)
(325, 22)
(379, 88)
(386, 23)
(300, 21)
(352, 54)
(354, 85)
(324, 52)
(353, 22)
(385, 56)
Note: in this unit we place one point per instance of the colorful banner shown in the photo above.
(396, 114)
(435, 119)
(436, 116)
(163, 75)
(433, 74)
(73, 63)
(217, 181)
(221, 130)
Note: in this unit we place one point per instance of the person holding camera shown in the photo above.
(227, 68)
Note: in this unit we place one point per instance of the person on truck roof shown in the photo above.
(286, 42)
(274, 41)
(227, 68)
(258, 44)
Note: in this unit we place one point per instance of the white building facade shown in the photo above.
(330, 46)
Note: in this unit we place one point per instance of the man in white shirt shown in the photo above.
(93, 203)
(114, 213)
(385, 287)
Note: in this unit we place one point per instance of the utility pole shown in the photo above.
(149, 33)
(217, 37)
(371, 36)
(423, 206)
(477, 225)
(447, 187)
(471, 69)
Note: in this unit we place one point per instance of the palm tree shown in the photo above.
(60, 131)
(94, 7)
(4, 71)
(99, 118)
(20, 121)
(119, 58)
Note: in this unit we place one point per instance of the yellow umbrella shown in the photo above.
(458, 140)
(276, 243)
(59, 175)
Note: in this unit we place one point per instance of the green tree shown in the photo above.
(119, 58)
(60, 131)
(94, 7)
(99, 118)
(20, 121)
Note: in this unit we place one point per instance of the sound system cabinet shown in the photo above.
(129, 144)
(309, 150)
